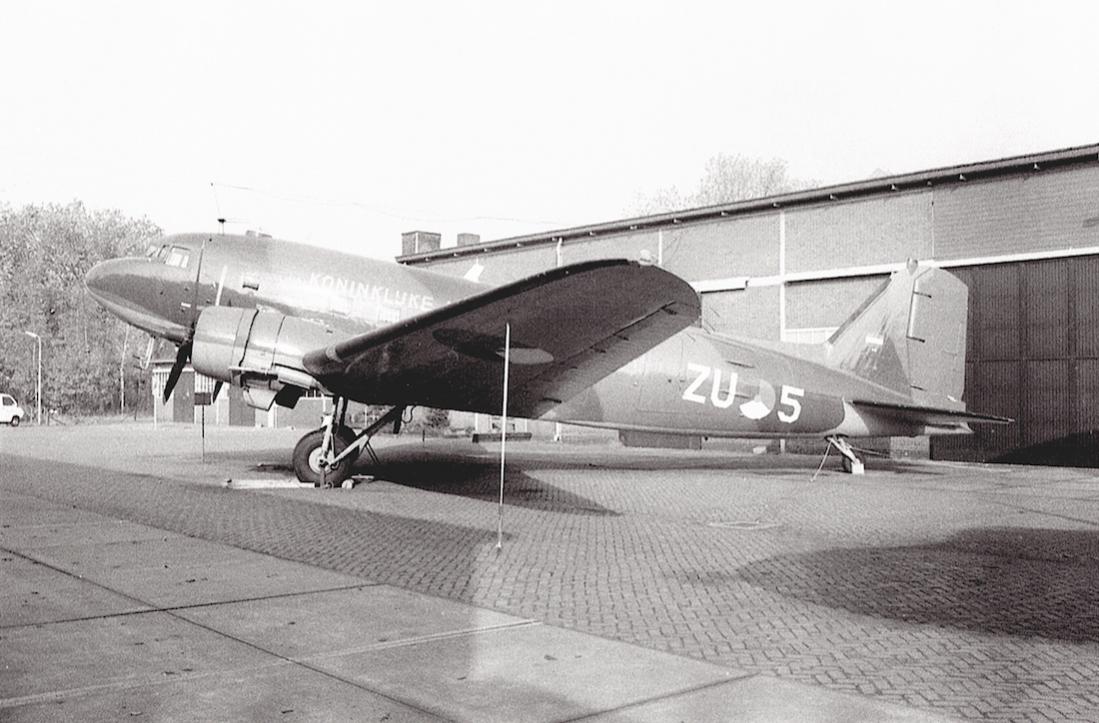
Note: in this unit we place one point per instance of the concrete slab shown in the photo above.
(762, 699)
(62, 660)
(529, 673)
(24, 511)
(282, 692)
(28, 537)
(139, 553)
(339, 622)
(33, 594)
(242, 576)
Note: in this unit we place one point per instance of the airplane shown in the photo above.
(607, 343)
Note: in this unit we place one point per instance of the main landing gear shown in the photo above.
(323, 458)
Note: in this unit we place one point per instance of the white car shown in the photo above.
(10, 411)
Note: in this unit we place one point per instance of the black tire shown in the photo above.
(306, 452)
(15, 421)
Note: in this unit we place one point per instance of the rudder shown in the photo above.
(909, 337)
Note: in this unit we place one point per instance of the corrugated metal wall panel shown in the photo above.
(751, 313)
(1087, 390)
(738, 247)
(1048, 406)
(997, 389)
(972, 323)
(857, 233)
(827, 303)
(1085, 286)
(1047, 210)
(1032, 354)
(1046, 309)
(997, 313)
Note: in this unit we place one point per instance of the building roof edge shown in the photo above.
(1012, 165)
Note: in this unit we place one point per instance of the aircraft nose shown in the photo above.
(134, 290)
(104, 281)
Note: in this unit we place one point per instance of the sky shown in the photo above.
(344, 124)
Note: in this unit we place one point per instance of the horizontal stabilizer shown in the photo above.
(929, 416)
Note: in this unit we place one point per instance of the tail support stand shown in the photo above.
(851, 462)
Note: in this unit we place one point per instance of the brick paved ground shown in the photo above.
(969, 591)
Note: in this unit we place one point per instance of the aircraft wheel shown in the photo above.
(307, 455)
(15, 421)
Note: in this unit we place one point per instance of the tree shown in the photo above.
(725, 179)
(45, 250)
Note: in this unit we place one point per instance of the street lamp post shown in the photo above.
(38, 386)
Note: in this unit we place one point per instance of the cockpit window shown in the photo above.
(151, 251)
(178, 256)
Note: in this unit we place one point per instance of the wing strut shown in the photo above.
(503, 438)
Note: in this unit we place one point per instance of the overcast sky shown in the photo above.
(343, 124)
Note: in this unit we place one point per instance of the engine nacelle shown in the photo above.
(260, 351)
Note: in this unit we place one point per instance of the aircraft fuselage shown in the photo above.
(695, 382)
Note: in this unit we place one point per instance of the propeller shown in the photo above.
(182, 357)
(183, 354)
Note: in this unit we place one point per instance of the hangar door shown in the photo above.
(1032, 353)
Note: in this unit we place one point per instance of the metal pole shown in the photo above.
(503, 438)
(38, 385)
(122, 373)
(38, 393)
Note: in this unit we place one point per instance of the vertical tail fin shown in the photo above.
(909, 337)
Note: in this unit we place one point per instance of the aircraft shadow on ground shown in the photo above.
(461, 469)
(1001, 580)
(479, 479)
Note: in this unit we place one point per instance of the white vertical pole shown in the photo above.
(560, 262)
(122, 373)
(782, 333)
(782, 276)
(503, 438)
(38, 391)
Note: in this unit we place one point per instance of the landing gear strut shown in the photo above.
(323, 458)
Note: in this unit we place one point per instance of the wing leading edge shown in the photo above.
(570, 327)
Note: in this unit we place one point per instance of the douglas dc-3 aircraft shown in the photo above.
(609, 343)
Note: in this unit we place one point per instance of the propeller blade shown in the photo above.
(217, 390)
(182, 356)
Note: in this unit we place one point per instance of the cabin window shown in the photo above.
(178, 257)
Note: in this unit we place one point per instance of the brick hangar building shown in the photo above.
(1023, 233)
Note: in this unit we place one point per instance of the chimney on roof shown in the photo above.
(418, 242)
(468, 239)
